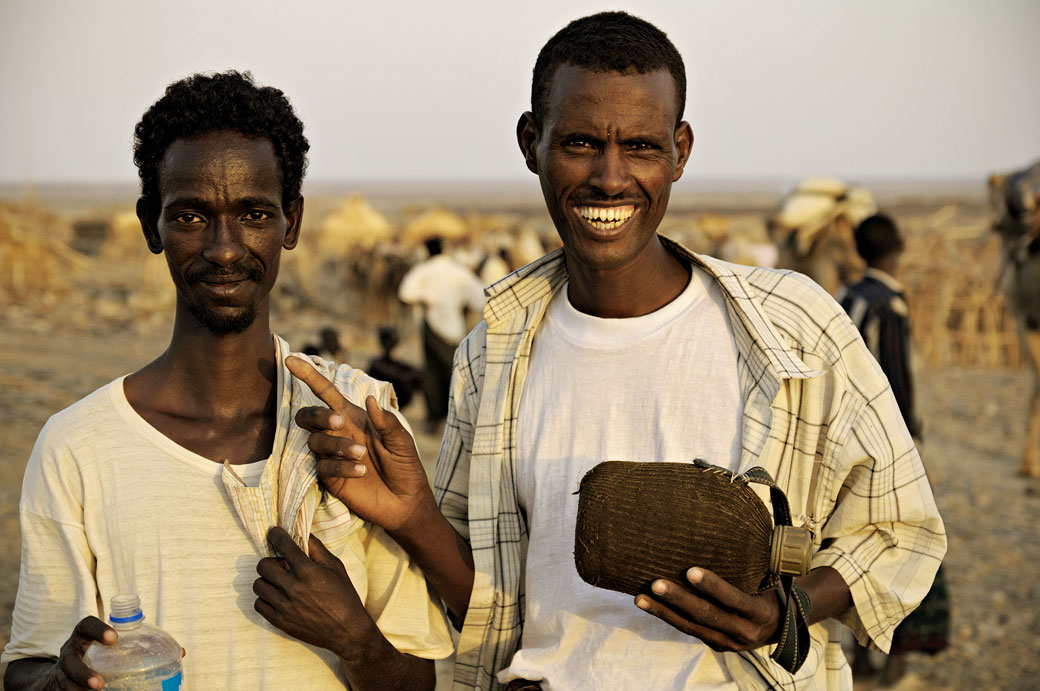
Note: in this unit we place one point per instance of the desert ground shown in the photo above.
(103, 312)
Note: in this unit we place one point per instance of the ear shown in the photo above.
(294, 218)
(683, 145)
(149, 226)
(527, 132)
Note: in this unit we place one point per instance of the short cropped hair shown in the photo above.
(877, 237)
(607, 42)
(232, 101)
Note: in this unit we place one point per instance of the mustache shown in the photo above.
(597, 197)
(236, 272)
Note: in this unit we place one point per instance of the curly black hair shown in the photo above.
(607, 42)
(213, 102)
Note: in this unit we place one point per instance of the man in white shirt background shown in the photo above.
(448, 293)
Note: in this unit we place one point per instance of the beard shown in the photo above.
(237, 320)
(223, 324)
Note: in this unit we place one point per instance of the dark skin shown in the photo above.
(312, 599)
(606, 157)
(369, 461)
(222, 224)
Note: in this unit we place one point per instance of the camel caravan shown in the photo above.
(812, 230)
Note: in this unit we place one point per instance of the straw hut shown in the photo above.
(35, 258)
(435, 222)
(354, 224)
(124, 238)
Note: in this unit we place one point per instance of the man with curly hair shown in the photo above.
(187, 482)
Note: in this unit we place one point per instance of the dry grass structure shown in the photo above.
(36, 262)
(950, 271)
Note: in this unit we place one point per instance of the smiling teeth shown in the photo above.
(606, 218)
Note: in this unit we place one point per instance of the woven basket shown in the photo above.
(638, 522)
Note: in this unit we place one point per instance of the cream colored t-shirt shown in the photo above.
(661, 387)
(110, 505)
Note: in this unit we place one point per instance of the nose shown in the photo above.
(224, 244)
(610, 175)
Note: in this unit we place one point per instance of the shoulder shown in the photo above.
(90, 417)
(470, 355)
(72, 445)
(805, 316)
(872, 290)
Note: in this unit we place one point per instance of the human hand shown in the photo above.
(310, 598)
(70, 671)
(366, 457)
(720, 614)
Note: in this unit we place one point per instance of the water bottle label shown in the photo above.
(173, 683)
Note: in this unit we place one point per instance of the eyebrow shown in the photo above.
(258, 201)
(200, 203)
(182, 202)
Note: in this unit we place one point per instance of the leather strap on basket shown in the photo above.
(793, 646)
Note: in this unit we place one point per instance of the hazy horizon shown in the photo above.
(406, 92)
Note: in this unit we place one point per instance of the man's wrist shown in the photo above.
(419, 524)
(359, 647)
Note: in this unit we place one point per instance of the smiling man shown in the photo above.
(169, 481)
(624, 345)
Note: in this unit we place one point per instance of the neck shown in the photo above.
(640, 287)
(890, 265)
(217, 375)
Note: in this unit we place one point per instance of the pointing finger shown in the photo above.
(352, 418)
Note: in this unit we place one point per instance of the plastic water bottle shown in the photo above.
(145, 658)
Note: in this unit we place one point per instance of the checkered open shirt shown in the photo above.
(819, 416)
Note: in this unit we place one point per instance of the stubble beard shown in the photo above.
(223, 324)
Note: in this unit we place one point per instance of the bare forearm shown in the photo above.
(828, 594)
(31, 674)
(444, 557)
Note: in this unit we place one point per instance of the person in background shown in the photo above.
(877, 305)
(448, 293)
(404, 378)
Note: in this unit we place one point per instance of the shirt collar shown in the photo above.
(541, 278)
(887, 279)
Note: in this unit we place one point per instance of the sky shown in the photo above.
(431, 91)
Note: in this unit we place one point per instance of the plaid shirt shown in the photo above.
(819, 416)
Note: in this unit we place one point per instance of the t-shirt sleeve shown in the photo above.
(56, 586)
(400, 602)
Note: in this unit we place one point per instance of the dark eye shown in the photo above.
(578, 143)
(642, 146)
(188, 217)
(258, 216)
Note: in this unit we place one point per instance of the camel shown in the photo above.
(1015, 200)
(813, 228)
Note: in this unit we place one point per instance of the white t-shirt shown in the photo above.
(446, 287)
(110, 505)
(661, 387)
